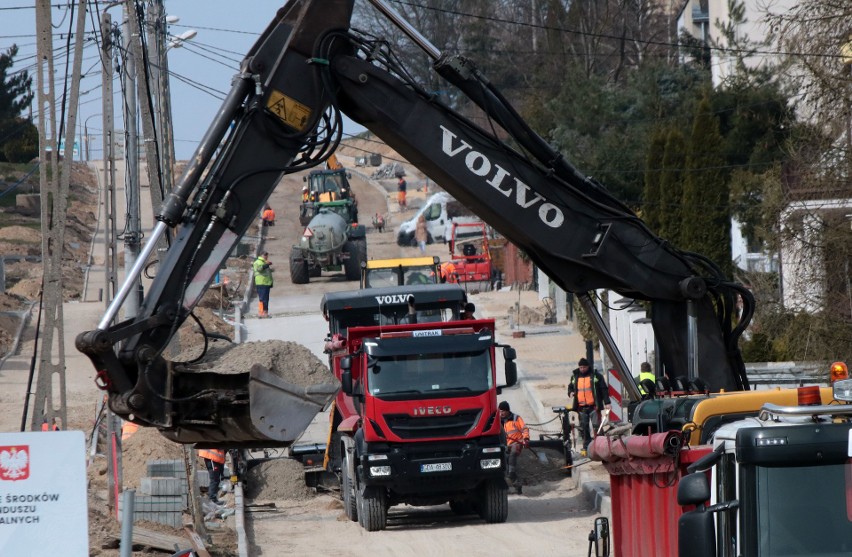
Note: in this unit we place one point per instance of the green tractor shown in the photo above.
(328, 188)
(329, 243)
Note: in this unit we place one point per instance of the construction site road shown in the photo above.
(553, 515)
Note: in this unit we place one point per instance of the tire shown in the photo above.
(494, 501)
(347, 492)
(372, 508)
(298, 268)
(357, 253)
(361, 250)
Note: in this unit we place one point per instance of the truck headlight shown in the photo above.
(490, 463)
(377, 471)
(488, 450)
(376, 457)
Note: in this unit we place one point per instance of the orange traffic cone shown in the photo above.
(260, 312)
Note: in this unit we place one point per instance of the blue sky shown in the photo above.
(226, 30)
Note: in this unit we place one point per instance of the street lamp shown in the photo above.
(178, 40)
(86, 134)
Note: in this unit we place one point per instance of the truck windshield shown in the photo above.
(415, 376)
(804, 510)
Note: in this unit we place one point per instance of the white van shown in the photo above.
(440, 210)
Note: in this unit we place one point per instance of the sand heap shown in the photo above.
(279, 478)
(289, 360)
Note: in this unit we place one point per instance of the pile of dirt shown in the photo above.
(20, 235)
(527, 315)
(10, 302)
(188, 343)
(8, 324)
(289, 360)
(279, 478)
(144, 445)
(536, 470)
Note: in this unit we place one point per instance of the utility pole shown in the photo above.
(157, 39)
(113, 435)
(110, 256)
(152, 147)
(133, 232)
(54, 207)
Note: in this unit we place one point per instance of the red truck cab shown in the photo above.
(416, 420)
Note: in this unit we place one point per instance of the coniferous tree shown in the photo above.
(652, 201)
(706, 225)
(18, 137)
(671, 187)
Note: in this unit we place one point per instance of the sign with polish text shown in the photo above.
(43, 505)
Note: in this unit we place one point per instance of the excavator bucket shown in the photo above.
(275, 413)
(285, 422)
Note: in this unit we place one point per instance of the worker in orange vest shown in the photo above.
(448, 272)
(214, 461)
(128, 429)
(49, 426)
(268, 216)
(517, 437)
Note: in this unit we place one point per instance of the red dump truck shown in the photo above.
(416, 420)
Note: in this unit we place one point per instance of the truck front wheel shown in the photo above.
(372, 508)
(494, 501)
(347, 490)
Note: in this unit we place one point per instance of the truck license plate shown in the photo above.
(437, 467)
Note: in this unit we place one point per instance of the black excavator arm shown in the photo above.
(570, 226)
(281, 116)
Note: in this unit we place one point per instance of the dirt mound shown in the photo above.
(533, 471)
(527, 315)
(144, 445)
(27, 288)
(289, 360)
(20, 235)
(10, 302)
(280, 478)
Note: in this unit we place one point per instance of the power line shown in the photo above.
(612, 37)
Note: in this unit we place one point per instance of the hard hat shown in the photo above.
(304, 188)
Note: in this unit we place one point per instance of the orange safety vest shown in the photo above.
(585, 396)
(448, 272)
(516, 430)
(46, 427)
(128, 429)
(269, 215)
(215, 455)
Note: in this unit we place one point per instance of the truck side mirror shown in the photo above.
(696, 531)
(693, 489)
(509, 353)
(600, 537)
(304, 178)
(346, 375)
(511, 373)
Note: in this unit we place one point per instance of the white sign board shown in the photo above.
(43, 508)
